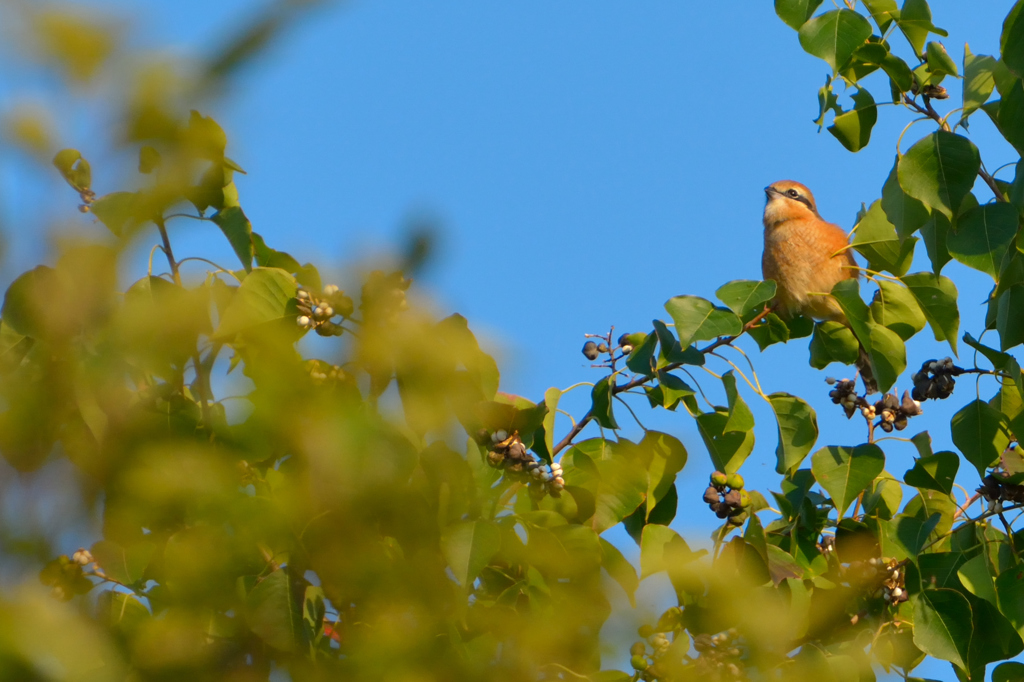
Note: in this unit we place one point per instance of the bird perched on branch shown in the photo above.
(806, 256)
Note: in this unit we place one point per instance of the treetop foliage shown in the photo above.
(321, 533)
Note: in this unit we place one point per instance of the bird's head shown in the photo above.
(788, 200)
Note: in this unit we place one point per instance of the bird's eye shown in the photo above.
(793, 193)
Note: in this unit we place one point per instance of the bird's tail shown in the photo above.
(866, 373)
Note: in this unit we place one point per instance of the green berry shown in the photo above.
(719, 479)
(645, 631)
(638, 663)
(735, 481)
(638, 649)
(744, 499)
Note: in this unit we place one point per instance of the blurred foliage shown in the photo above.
(323, 533)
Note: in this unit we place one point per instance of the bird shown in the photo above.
(807, 256)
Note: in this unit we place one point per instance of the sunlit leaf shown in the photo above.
(939, 171)
(798, 430)
(833, 36)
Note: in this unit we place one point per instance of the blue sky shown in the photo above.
(584, 162)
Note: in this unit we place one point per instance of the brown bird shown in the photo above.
(806, 256)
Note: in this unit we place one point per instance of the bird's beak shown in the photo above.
(769, 191)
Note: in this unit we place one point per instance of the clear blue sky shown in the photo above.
(585, 161)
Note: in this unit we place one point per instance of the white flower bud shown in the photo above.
(330, 289)
(501, 434)
(896, 592)
(303, 321)
(886, 596)
(82, 557)
(302, 294)
(328, 311)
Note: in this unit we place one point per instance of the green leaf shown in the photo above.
(671, 352)
(939, 60)
(665, 456)
(24, 302)
(904, 212)
(1011, 671)
(975, 576)
(853, 128)
(1009, 320)
(979, 431)
(827, 101)
(905, 535)
(896, 308)
(915, 20)
(798, 430)
(1011, 41)
(833, 36)
(126, 566)
(698, 319)
(746, 297)
(884, 12)
(982, 237)
(934, 234)
(884, 347)
(875, 238)
(669, 391)
(833, 342)
(934, 472)
(773, 330)
(940, 170)
(846, 472)
(942, 625)
(1009, 587)
(263, 297)
(118, 211)
(620, 570)
(125, 613)
(601, 398)
(660, 550)
(238, 230)
(728, 449)
(313, 612)
(979, 81)
(937, 296)
(274, 612)
(74, 169)
(796, 12)
(1009, 114)
(551, 398)
(641, 358)
(613, 473)
(740, 416)
(468, 546)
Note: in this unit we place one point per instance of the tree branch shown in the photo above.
(640, 380)
(929, 111)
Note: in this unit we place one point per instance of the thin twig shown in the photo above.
(929, 111)
(640, 380)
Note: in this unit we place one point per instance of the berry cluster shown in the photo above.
(727, 498)
(316, 312)
(891, 412)
(322, 372)
(66, 576)
(893, 589)
(508, 453)
(996, 489)
(845, 394)
(649, 665)
(934, 381)
(592, 350)
(720, 656)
